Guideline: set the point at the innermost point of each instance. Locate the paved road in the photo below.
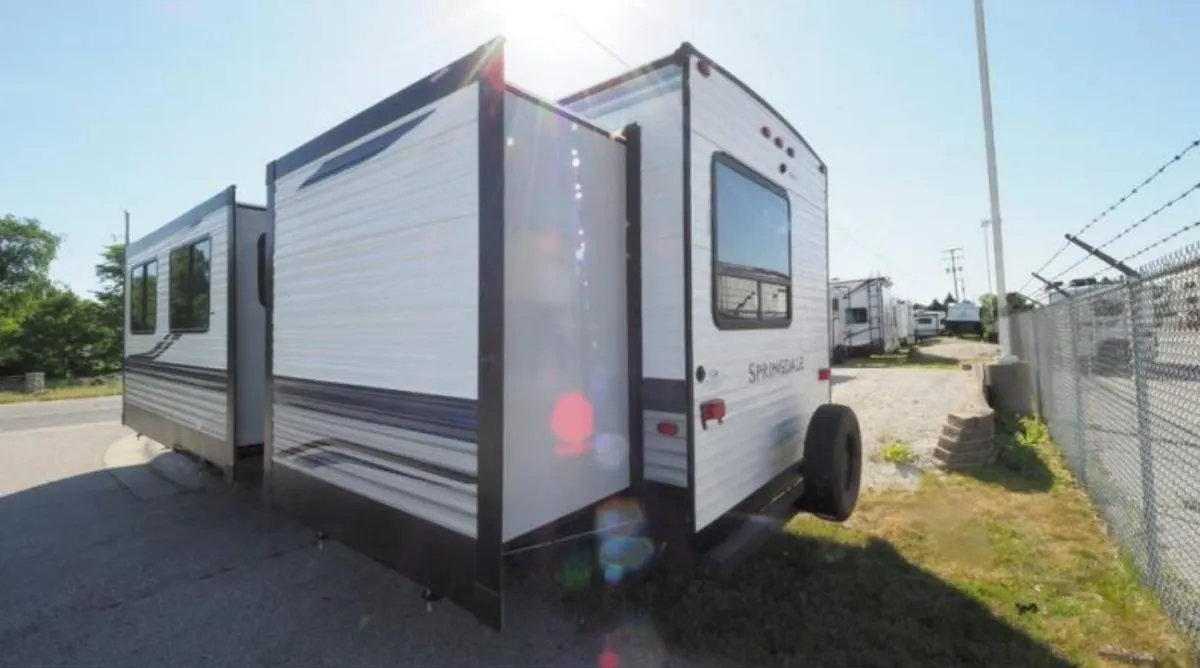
(93, 575)
(46, 414)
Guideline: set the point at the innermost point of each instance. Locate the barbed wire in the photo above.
(1194, 225)
(1112, 207)
(1170, 203)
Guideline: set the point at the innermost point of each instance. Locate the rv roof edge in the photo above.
(679, 57)
(458, 74)
(227, 197)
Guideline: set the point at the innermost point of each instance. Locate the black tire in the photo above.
(832, 466)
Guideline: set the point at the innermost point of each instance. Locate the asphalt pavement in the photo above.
(51, 414)
(93, 574)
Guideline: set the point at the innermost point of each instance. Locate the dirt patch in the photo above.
(956, 350)
(903, 406)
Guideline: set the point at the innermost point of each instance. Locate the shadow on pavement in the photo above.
(94, 575)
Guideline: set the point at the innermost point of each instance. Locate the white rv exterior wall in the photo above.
(767, 421)
(202, 409)
(655, 101)
(565, 316)
(376, 285)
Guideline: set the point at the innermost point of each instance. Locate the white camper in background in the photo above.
(904, 321)
(963, 318)
(837, 329)
(927, 324)
(194, 333)
(494, 316)
(869, 318)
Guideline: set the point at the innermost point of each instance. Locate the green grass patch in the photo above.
(965, 570)
(63, 390)
(898, 453)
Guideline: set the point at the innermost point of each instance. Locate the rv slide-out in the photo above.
(195, 374)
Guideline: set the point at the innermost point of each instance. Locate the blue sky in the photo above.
(154, 105)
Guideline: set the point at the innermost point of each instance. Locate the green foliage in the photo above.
(898, 453)
(47, 327)
(1017, 303)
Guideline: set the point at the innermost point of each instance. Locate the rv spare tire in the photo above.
(832, 466)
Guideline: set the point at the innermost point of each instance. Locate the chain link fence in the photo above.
(1116, 372)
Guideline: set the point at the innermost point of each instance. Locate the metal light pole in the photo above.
(985, 85)
(987, 260)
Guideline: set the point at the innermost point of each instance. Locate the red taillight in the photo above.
(824, 374)
(668, 428)
(766, 132)
(779, 142)
(703, 68)
(713, 409)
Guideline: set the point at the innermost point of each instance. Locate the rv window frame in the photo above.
(850, 320)
(145, 294)
(207, 238)
(722, 321)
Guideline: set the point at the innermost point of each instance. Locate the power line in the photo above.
(1112, 207)
(955, 254)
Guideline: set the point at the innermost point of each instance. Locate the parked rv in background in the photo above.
(963, 318)
(927, 324)
(837, 329)
(904, 321)
(868, 315)
(1104, 325)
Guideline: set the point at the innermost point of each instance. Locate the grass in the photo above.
(898, 453)
(1008, 566)
(55, 391)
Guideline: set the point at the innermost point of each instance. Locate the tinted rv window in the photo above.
(856, 316)
(752, 248)
(143, 298)
(191, 274)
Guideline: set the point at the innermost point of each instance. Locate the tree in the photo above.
(111, 302)
(949, 299)
(63, 336)
(26, 251)
(1017, 303)
(935, 305)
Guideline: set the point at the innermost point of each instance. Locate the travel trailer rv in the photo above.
(195, 321)
(868, 315)
(927, 324)
(963, 318)
(494, 316)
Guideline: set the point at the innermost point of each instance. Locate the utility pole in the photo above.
(954, 255)
(987, 254)
(985, 86)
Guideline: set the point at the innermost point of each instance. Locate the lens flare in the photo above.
(572, 423)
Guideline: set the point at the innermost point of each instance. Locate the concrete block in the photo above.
(972, 419)
(1011, 388)
(954, 433)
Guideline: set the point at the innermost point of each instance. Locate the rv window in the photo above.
(836, 308)
(143, 298)
(191, 273)
(924, 321)
(752, 248)
(857, 316)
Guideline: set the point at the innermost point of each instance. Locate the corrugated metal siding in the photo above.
(193, 407)
(376, 285)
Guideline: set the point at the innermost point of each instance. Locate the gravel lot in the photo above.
(909, 405)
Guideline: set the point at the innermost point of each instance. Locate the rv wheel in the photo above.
(832, 466)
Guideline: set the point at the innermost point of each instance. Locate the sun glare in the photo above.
(549, 25)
